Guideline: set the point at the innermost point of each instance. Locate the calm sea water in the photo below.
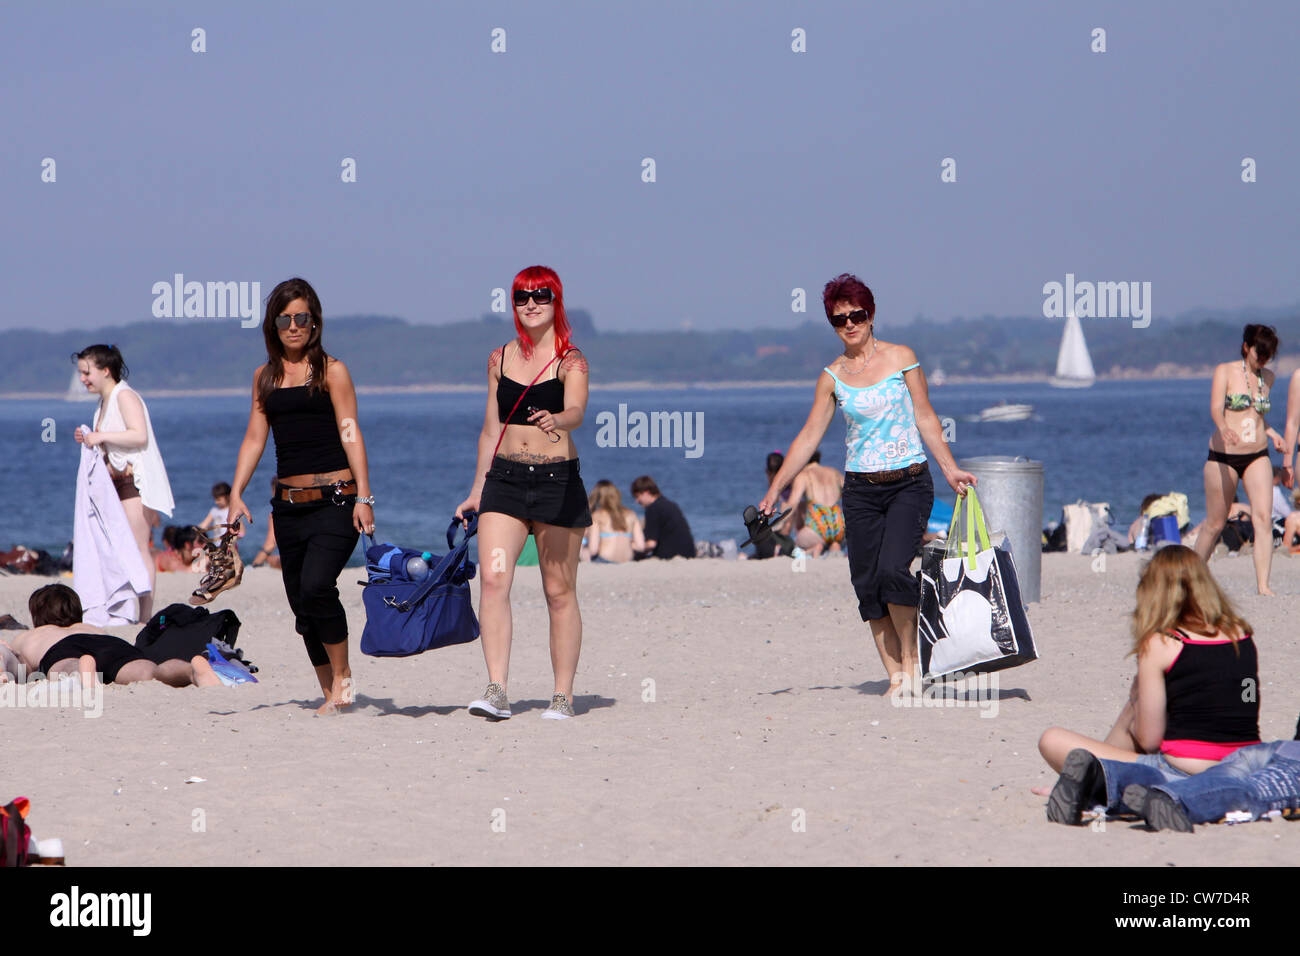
(1115, 442)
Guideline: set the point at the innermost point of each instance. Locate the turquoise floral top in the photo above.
(882, 434)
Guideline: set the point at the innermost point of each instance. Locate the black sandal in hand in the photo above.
(759, 525)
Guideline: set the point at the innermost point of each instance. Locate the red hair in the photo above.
(848, 288)
(539, 277)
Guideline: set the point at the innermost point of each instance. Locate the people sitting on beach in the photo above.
(59, 643)
(667, 534)
(1193, 701)
(1249, 784)
(181, 549)
(615, 534)
(818, 488)
(267, 554)
(1286, 517)
(781, 541)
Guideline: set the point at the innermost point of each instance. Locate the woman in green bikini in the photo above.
(1239, 447)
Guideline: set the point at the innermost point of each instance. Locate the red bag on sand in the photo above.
(14, 833)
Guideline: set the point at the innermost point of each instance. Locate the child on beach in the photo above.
(219, 513)
(1194, 699)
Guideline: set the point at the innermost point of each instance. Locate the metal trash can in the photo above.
(1011, 493)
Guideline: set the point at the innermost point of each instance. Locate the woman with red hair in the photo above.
(888, 491)
(527, 480)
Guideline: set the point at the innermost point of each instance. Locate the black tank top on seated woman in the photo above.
(306, 434)
(1212, 698)
(547, 395)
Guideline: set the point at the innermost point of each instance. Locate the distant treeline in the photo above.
(218, 353)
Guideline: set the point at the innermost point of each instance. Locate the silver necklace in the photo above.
(865, 362)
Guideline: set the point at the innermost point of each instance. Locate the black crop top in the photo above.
(1204, 692)
(306, 434)
(548, 395)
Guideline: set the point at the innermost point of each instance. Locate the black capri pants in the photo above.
(883, 526)
(315, 538)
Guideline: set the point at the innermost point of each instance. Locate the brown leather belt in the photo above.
(888, 477)
(334, 490)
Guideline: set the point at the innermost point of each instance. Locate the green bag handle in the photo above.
(974, 522)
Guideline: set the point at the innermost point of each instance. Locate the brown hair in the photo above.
(645, 483)
(55, 604)
(273, 371)
(1176, 588)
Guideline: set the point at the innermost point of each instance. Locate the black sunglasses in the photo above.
(857, 317)
(300, 319)
(541, 296)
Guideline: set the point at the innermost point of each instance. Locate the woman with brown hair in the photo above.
(322, 501)
(1239, 447)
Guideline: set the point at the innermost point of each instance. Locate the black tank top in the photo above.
(1212, 692)
(548, 395)
(306, 434)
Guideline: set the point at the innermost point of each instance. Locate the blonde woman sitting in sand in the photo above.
(1194, 700)
(615, 531)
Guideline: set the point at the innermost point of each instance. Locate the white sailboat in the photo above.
(77, 392)
(1073, 363)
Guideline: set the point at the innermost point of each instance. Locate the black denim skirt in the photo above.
(550, 493)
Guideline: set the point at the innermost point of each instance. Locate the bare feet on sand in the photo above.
(341, 696)
(204, 675)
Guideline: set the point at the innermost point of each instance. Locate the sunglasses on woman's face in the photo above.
(540, 296)
(300, 319)
(857, 317)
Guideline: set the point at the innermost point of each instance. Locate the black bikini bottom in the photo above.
(1238, 463)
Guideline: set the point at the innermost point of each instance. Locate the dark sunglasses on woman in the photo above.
(300, 319)
(857, 317)
(540, 296)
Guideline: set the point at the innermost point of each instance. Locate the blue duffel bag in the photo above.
(405, 617)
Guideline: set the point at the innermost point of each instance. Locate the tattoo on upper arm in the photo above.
(575, 361)
(494, 359)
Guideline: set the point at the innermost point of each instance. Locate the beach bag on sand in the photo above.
(14, 833)
(1083, 519)
(405, 617)
(971, 618)
(179, 632)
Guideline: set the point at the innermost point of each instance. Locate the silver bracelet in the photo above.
(368, 500)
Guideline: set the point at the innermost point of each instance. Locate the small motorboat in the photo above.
(1005, 412)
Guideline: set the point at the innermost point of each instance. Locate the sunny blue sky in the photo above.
(774, 169)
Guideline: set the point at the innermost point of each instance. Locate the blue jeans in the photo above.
(1148, 770)
(1256, 779)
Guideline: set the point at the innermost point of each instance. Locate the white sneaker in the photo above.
(493, 703)
(560, 708)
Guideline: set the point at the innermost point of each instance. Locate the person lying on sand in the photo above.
(59, 643)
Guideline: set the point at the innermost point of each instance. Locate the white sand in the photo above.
(764, 710)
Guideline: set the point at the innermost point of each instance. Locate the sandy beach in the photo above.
(721, 705)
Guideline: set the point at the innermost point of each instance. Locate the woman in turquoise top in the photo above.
(888, 491)
(1239, 447)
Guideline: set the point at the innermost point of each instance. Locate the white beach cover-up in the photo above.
(108, 571)
(146, 462)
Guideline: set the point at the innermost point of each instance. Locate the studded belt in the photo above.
(888, 477)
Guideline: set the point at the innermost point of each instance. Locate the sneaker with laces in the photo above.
(560, 709)
(493, 703)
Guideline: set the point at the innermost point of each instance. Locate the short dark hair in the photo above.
(55, 604)
(221, 490)
(774, 462)
(816, 456)
(848, 288)
(106, 357)
(1263, 338)
(645, 483)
